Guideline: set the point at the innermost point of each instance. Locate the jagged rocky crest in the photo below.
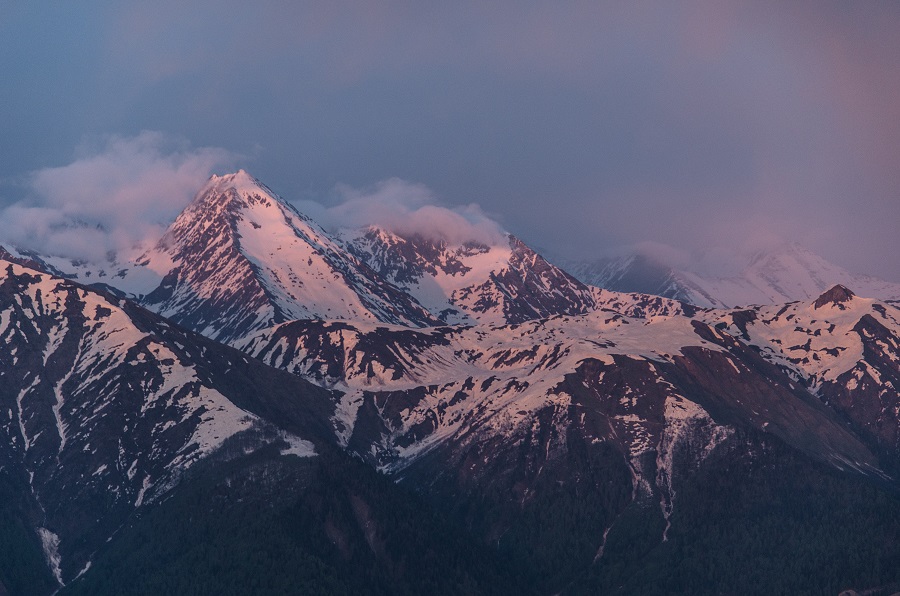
(836, 296)
(242, 259)
(472, 282)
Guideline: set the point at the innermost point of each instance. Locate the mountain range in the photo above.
(256, 405)
(783, 274)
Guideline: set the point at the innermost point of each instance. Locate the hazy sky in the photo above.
(580, 127)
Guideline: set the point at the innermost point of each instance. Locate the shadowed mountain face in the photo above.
(109, 405)
(400, 415)
(449, 385)
(844, 349)
(135, 452)
(637, 273)
(410, 394)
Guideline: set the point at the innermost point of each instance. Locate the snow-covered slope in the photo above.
(845, 348)
(603, 377)
(241, 259)
(790, 272)
(473, 282)
(106, 405)
(117, 273)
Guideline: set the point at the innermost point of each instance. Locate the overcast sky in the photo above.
(580, 127)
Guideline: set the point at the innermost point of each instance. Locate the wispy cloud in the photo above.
(116, 194)
(406, 208)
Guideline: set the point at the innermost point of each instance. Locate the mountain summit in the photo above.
(506, 282)
(836, 295)
(243, 259)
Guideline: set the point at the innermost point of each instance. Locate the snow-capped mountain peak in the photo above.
(242, 259)
(471, 282)
(240, 181)
(792, 270)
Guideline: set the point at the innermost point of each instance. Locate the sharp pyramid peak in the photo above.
(835, 295)
(235, 191)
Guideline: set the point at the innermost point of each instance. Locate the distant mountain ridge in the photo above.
(787, 273)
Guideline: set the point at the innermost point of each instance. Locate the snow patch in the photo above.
(684, 421)
(146, 484)
(50, 544)
(297, 446)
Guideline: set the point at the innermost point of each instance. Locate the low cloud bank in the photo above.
(112, 197)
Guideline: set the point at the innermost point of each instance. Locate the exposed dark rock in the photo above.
(836, 295)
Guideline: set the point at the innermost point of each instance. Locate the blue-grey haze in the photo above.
(580, 126)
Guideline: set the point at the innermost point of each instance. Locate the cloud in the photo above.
(117, 194)
(663, 253)
(406, 208)
(120, 193)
